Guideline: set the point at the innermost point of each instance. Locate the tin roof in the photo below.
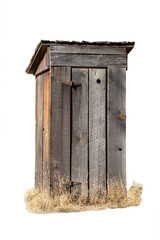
(43, 44)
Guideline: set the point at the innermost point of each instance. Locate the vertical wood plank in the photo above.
(79, 165)
(46, 132)
(97, 129)
(39, 134)
(60, 124)
(116, 144)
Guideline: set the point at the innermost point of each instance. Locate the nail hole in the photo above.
(120, 149)
(98, 81)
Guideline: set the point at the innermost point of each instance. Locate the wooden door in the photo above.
(80, 132)
(88, 142)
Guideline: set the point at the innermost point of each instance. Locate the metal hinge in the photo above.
(72, 183)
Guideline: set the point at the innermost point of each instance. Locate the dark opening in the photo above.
(88, 136)
(120, 149)
(98, 81)
(106, 143)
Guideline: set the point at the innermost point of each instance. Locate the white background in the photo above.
(23, 25)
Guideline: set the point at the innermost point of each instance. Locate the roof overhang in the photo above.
(43, 44)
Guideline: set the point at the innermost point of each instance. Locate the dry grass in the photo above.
(64, 201)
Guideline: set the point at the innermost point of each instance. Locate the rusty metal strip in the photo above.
(72, 183)
(72, 84)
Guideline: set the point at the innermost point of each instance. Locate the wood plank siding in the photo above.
(60, 124)
(88, 60)
(79, 164)
(116, 124)
(39, 133)
(88, 49)
(97, 129)
(46, 131)
(80, 129)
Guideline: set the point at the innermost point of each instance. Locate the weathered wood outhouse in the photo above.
(80, 111)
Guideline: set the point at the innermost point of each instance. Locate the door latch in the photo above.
(72, 84)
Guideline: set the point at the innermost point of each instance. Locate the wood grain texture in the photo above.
(87, 49)
(79, 163)
(60, 124)
(44, 63)
(86, 60)
(46, 132)
(97, 129)
(109, 46)
(42, 71)
(39, 133)
(116, 132)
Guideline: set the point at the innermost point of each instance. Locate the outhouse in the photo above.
(80, 112)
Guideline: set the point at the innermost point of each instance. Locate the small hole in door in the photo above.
(98, 81)
(120, 149)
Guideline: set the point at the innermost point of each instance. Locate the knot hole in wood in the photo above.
(98, 81)
(122, 116)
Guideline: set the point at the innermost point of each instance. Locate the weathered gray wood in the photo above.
(39, 133)
(60, 124)
(97, 129)
(116, 132)
(86, 60)
(87, 49)
(45, 62)
(79, 165)
(46, 132)
(41, 49)
(43, 70)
